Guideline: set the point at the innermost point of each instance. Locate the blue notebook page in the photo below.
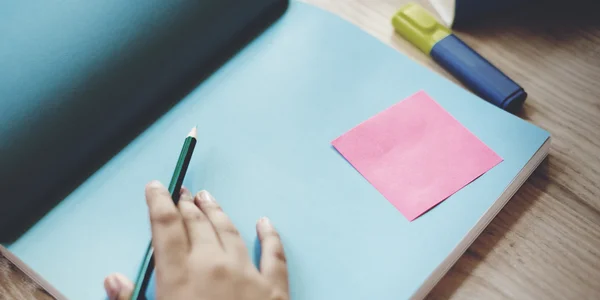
(265, 123)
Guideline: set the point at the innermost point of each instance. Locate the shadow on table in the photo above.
(525, 197)
(550, 17)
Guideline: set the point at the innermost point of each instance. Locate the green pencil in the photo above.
(143, 278)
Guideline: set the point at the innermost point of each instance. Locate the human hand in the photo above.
(199, 253)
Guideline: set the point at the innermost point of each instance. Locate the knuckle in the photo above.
(279, 254)
(229, 229)
(220, 270)
(194, 216)
(212, 206)
(190, 213)
(165, 217)
(223, 224)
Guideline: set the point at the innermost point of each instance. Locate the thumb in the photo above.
(273, 263)
(118, 287)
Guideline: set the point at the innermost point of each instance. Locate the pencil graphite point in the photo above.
(194, 133)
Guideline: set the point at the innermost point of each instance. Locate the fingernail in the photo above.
(155, 183)
(265, 222)
(205, 196)
(113, 288)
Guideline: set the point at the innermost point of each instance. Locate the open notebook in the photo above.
(266, 119)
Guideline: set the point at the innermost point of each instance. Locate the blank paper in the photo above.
(416, 154)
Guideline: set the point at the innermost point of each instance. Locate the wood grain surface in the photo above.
(545, 244)
(16, 282)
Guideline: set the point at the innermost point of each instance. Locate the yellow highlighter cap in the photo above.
(416, 25)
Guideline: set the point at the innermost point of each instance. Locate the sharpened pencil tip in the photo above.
(194, 133)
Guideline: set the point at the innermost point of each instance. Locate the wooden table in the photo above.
(545, 244)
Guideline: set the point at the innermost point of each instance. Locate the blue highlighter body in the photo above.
(478, 74)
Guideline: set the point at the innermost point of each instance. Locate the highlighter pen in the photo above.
(416, 25)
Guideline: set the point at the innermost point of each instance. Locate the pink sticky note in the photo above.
(416, 154)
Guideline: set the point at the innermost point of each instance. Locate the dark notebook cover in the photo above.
(80, 79)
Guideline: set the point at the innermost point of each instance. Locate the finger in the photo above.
(118, 287)
(273, 263)
(228, 235)
(201, 234)
(169, 237)
(185, 195)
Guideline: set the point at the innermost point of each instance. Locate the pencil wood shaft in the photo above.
(147, 267)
